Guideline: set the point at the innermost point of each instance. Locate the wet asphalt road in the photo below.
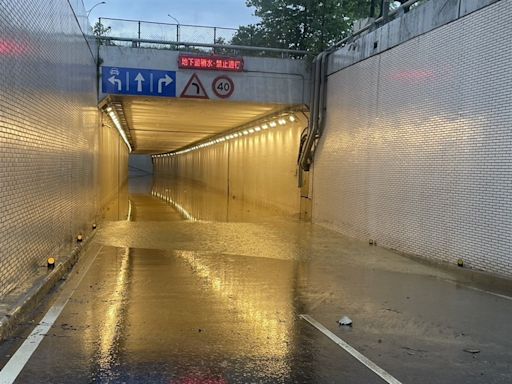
(169, 300)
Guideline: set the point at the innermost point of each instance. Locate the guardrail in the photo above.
(148, 30)
(197, 38)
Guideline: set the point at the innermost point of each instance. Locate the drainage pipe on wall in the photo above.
(318, 94)
(317, 109)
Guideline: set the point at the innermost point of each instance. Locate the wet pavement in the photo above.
(177, 296)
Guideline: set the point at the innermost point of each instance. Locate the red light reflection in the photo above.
(11, 48)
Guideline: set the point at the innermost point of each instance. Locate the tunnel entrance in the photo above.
(162, 125)
(234, 128)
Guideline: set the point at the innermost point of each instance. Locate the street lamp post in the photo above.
(177, 27)
(94, 6)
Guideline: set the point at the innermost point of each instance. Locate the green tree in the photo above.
(301, 24)
(99, 29)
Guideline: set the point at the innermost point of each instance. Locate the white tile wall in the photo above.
(49, 135)
(417, 151)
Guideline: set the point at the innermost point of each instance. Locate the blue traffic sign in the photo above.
(135, 81)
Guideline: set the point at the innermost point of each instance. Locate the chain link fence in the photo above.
(197, 38)
(172, 33)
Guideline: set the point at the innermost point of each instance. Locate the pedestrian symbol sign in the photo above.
(137, 81)
(194, 89)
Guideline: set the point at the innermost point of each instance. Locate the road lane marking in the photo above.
(15, 365)
(491, 293)
(463, 285)
(357, 355)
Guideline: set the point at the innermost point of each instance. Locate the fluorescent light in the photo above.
(280, 120)
(119, 128)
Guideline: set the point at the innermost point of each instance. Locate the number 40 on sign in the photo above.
(223, 87)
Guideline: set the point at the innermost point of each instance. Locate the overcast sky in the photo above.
(221, 13)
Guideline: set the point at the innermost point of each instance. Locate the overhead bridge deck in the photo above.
(171, 99)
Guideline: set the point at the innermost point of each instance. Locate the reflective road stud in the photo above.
(51, 263)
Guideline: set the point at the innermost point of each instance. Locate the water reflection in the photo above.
(117, 206)
(247, 294)
(244, 305)
(114, 320)
(195, 201)
(183, 212)
(200, 313)
(112, 328)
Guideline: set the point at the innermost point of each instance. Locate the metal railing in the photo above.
(148, 30)
(200, 38)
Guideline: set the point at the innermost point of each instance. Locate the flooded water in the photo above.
(188, 286)
(194, 201)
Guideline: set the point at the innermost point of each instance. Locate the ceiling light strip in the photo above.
(115, 119)
(269, 124)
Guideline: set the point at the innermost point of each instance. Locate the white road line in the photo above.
(462, 285)
(14, 366)
(358, 356)
(491, 293)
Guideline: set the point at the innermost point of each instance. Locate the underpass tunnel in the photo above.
(158, 225)
(169, 103)
(235, 131)
(244, 154)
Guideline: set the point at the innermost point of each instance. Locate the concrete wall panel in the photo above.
(421, 19)
(264, 80)
(260, 169)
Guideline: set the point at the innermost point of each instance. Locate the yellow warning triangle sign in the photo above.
(194, 89)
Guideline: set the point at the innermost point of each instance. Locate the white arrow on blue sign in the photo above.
(137, 81)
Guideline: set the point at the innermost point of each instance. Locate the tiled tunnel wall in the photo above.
(417, 151)
(51, 142)
(260, 169)
(111, 173)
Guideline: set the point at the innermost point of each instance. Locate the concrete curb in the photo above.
(466, 276)
(30, 300)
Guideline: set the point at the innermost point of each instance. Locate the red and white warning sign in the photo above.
(194, 89)
(223, 87)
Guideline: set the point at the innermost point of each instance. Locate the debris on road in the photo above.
(345, 321)
(412, 350)
(471, 350)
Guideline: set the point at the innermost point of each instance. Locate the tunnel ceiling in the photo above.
(162, 125)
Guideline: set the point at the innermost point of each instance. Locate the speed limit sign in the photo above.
(223, 87)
